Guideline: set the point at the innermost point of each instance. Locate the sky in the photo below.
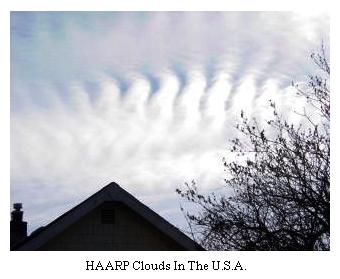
(146, 99)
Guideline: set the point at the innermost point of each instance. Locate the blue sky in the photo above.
(146, 99)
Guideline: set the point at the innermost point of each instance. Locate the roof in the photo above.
(111, 192)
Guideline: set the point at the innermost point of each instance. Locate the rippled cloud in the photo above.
(148, 100)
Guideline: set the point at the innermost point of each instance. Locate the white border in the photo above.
(70, 264)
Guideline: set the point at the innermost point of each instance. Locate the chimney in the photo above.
(18, 226)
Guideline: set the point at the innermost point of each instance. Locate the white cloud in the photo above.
(150, 133)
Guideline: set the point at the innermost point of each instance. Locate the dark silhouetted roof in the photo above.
(110, 193)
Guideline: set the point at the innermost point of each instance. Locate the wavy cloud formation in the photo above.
(144, 99)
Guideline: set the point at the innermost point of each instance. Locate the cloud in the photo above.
(144, 99)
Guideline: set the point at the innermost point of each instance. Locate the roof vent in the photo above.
(108, 216)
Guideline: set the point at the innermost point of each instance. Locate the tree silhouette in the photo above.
(276, 195)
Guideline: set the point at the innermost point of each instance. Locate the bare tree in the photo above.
(277, 194)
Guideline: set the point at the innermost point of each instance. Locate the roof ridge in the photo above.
(112, 184)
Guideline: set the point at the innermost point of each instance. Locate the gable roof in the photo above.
(111, 192)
